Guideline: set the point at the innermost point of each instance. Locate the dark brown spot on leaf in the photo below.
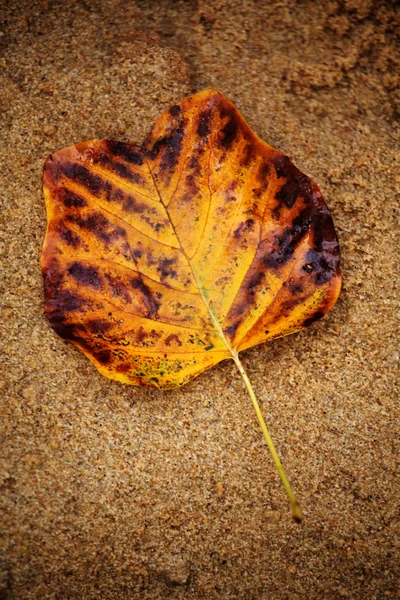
(231, 329)
(175, 110)
(68, 331)
(53, 276)
(80, 174)
(69, 237)
(283, 249)
(194, 163)
(151, 303)
(53, 169)
(289, 193)
(63, 301)
(247, 155)
(97, 224)
(127, 152)
(70, 199)
(114, 195)
(134, 206)
(173, 340)
(165, 268)
(98, 326)
(286, 243)
(318, 315)
(276, 212)
(244, 228)
(103, 356)
(297, 184)
(116, 167)
(263, 173)
(255, 283)
(203, 128)
(118, 288)
(144, 336)
(124, 368)
(306, 187)
(169, 147)
(323, 260)
(138, 251)
(85, 275)
(229, 130)
(282, 165)
(191, 186)
(295, 288)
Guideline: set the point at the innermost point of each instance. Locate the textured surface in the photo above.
(161, 260)
(111, 491)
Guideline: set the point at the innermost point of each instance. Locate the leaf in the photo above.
(161, 260)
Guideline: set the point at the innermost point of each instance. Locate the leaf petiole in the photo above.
(296, 510)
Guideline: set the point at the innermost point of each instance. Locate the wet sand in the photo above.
(115, 492)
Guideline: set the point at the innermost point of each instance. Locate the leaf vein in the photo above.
(94, 201)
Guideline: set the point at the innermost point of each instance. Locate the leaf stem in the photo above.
(296, 510)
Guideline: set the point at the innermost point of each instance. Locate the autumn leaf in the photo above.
(163, 259)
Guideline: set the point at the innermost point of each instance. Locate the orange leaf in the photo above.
(163, 259)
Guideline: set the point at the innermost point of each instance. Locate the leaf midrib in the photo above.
(214, 318)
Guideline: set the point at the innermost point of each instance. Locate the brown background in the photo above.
(112, 492)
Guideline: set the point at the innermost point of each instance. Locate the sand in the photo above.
(114, 492)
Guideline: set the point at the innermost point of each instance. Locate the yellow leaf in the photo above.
(161, 260)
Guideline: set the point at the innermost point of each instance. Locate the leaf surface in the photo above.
(163, 259)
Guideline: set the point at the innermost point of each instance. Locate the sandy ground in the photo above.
(113, 492)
